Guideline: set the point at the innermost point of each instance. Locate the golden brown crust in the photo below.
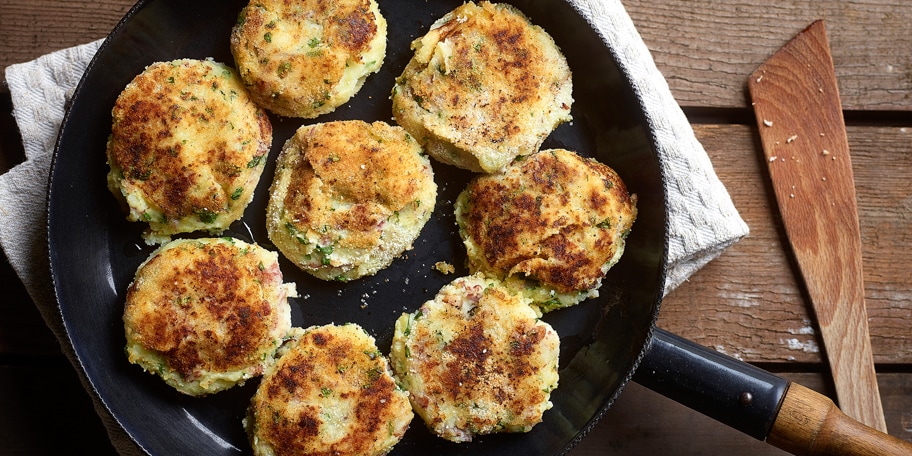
(348, 196)
(306, 58)
(204, 309)
(484, 86)
(476, 360)
(187, 147)
(553, 217)
(355, 164)
(331, 393)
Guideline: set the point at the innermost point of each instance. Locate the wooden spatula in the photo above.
(796, 102)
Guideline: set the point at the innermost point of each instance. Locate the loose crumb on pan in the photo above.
(444, 267)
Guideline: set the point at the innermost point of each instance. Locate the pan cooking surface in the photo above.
(94, 251)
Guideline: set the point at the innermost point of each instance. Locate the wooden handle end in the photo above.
(809, 423)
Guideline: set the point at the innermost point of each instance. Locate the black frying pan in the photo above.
(94, 251)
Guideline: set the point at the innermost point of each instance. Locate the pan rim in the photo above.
(79, 359)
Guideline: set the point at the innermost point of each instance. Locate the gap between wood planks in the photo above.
(702, 115)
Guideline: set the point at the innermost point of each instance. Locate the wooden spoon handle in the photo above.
(809, 423)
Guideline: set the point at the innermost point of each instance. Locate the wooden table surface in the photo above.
(748, 303)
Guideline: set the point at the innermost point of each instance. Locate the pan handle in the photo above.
(756, 402)
(735, 393)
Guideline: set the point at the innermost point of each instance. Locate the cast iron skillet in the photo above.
(94, 252)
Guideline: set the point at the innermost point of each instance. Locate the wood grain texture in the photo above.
(796, 103)
(642, 422)
(749, 302)
(810, 424)
(705, 48)
(29, 29)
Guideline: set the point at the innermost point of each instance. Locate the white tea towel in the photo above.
(703, 220)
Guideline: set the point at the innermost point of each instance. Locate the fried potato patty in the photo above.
(207, 314)
(331, 392)
(550, 226)
(348, 197)
(187, 148)
(306, 58)
(484, 86)
(476, 360)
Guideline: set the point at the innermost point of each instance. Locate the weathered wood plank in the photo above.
(643, 422)
(749, 302)
(707, 48)
(36, 27)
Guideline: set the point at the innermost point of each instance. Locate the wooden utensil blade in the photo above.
(802, 129)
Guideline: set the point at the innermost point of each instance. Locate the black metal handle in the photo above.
(733, 392)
